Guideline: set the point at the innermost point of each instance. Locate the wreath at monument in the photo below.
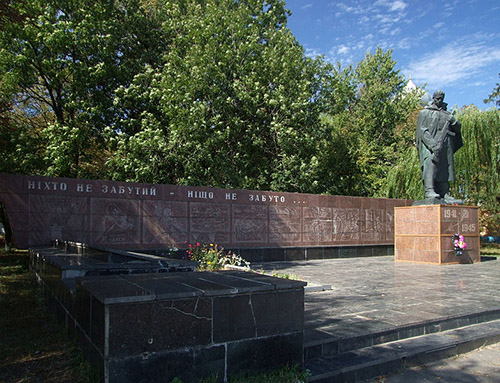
(459, 243)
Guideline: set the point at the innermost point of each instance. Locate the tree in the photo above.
(375, 105)
(494, 96)
(404, 178)
(335, 170)
(212, 93)
(60, 65)
(478, 164)
(235, 103)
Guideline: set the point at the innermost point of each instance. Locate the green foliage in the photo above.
(277, 274)
(478, 164)
(284, 375)
(490, 250)
(367, 132)
(60, 63)
(494, 95)
(230, 107)
(35, 347)
(380, 107)
(404, 177)
(213, 257)
(213, 93)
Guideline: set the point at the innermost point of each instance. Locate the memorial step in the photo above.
(318, 343)
(360, 364)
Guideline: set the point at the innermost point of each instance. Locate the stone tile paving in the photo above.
(376, 293)
(481, 366)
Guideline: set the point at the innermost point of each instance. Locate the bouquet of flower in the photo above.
(213, 257)
(459, 243)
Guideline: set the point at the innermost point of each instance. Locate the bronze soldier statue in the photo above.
(438, 138)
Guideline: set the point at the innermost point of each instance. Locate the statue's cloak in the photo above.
(431, 123)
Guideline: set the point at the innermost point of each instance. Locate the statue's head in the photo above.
(438, 98)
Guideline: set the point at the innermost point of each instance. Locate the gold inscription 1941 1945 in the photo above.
(461, 214)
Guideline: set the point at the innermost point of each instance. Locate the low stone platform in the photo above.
(144, 328)
(67, 265)
(156, 326)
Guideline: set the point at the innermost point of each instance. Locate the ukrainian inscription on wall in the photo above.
(134, 216)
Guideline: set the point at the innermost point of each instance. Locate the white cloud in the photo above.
(359, 46)
(344, 7)
(392, 5)
(405, 43)
(357, 10)
(395, 31)
(364, 20)
(398, 6)
(449, 8)
(342, 49)
(479, 83)
(312, 52)
(453, 63)
(438, 25)
(305, 6)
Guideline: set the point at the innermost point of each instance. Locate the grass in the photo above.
(284, 375)
(277, 274)
(490, 249)
(33, 347)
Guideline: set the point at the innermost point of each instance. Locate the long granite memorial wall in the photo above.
(152, 216)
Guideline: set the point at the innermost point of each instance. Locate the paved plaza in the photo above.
(356, 296)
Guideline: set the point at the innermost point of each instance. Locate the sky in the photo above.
(449, 45)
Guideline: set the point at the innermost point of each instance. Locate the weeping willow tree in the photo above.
(404, 180)
(403, 177)
(477, 165)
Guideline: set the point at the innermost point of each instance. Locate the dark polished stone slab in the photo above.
(114, 289)
(160, 325)
(250, 357)
(190, 365)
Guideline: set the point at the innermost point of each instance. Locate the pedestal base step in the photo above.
(369, 362)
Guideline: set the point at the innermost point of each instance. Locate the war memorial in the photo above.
(110, 257)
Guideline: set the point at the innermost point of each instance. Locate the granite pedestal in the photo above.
(147, 322)
(425, 234)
